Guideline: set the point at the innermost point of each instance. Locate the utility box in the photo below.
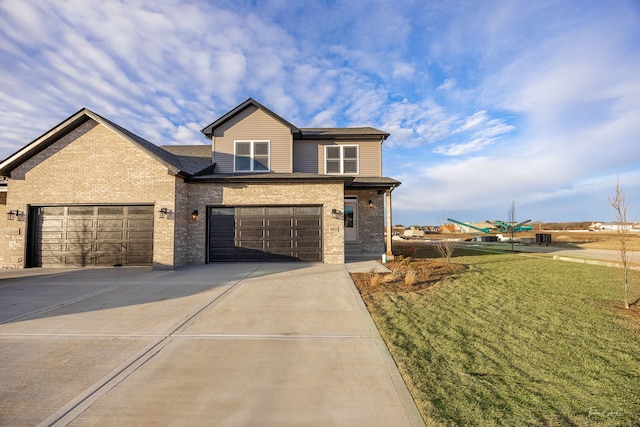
(485, 239)
(543, 239)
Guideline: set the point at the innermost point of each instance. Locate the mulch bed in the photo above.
(428, 272)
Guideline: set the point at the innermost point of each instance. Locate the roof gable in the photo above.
(208, 130)
(302, 133)
(74, 121)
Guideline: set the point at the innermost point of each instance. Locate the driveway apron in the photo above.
(222, 344)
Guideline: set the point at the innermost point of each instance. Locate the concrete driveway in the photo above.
(222, 344)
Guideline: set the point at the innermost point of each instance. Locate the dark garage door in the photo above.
(90, 236)
(265, 233)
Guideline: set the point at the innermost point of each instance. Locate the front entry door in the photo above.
(350, 220)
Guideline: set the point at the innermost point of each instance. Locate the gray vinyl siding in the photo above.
(253, 124)
(310, 155)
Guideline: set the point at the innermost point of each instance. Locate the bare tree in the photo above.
(620, 205)
(511, 215)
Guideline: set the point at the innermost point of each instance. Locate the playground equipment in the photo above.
(499, 226)
(505, 227)
(464, 224)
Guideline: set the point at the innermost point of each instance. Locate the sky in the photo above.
(489, 103)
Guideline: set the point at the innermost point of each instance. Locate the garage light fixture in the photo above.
(370, 204)
(164, 212)
(194, 214)
(19, 215)
(335, 213)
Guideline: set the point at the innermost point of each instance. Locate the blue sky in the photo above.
(487, 102)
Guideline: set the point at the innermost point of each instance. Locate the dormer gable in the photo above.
(209, 130)
(252, 139)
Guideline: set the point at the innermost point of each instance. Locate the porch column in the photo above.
(389, 224)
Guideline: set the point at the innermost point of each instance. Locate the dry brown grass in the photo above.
(423, 274)
(411, 277)
(573, 239)
(374, 278)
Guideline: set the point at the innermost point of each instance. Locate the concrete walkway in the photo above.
(222, 344)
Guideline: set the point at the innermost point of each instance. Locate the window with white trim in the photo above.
(251, 156)
(341, 159)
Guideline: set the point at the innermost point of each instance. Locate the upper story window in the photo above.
(341, 159)
(251, 156)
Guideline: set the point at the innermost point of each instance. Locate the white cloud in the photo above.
(530, 101)
(417, 123)
(324, 118)
(479, 132)
(24, 22)
(473, 121)
(402, 70)
(447, 85)
(188, 134)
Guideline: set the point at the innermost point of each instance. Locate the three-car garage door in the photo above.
(90, 236)
(265, 233)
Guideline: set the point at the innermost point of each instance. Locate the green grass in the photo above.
(517, 341)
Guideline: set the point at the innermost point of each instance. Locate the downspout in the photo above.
(389, 225)
(213, 148)
(380, 156)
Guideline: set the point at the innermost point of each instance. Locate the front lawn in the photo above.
(514, 340)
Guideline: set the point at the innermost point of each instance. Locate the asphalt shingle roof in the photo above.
(193, 158)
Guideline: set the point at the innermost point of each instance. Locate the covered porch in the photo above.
(367, 211)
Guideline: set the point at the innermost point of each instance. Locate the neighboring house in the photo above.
(89, 192)
(613, 226)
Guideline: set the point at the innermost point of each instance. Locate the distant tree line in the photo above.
(579, 225)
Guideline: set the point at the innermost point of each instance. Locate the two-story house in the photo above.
(89, 192)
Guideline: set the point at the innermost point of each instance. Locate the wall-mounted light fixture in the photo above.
(194, 214)
(335, 213)
(19, 215)
(370, 204)
(163, 212)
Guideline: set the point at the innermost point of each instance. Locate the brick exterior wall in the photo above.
(91, 165)
(370, 219)
(182, 222)
(329, 195)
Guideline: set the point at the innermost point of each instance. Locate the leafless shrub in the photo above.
(403, 267)
(426, 272)
(446, 248)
